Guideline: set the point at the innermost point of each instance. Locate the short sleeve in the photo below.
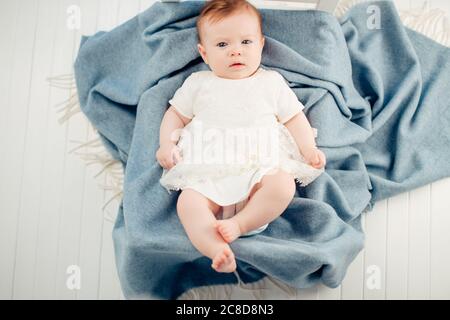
(288, 104)
(183, 99)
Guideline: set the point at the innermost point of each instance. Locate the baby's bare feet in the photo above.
(224, 261)
(229, 229)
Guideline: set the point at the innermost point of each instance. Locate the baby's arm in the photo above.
(171, 122)
(168, 136)
(303, 135)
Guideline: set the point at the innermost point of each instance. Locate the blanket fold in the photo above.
(379, 98)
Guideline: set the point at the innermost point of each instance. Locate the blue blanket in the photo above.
(379, 96)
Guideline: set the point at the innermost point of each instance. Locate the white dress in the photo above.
(236, 136)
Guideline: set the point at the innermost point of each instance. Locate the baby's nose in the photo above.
(236, 52)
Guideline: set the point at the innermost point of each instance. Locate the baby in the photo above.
(236, 94)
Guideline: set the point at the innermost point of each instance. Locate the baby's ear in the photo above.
(202, 52)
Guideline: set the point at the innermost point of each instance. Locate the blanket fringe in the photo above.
(431, 22)
(70, 106)
(92, 152)
(343, 6)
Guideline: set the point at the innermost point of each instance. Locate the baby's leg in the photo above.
(274, 194)
(197, 215)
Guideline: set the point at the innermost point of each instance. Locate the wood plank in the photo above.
(8, 218)
(16, 132)
(145, 4)
(91, 214)
(127, 10)
(440, 240)
(353, 284)
(53, 166)
(419, 243)
(34, 153)
(109, 287)
(108, 14)
(375, 253)
(73, 176)
(397, 248)
(440, 217)
(91, 233)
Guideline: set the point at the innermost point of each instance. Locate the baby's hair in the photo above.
(216, 10)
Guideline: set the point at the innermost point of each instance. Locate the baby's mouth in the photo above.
(237, 64)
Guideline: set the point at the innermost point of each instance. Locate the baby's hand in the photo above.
(315, 158)
(168, 155)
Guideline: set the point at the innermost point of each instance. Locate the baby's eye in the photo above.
(221, 44)
(248, 41)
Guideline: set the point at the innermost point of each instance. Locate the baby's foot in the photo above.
(224, 261)
(229, 229)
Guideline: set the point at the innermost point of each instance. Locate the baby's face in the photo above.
(234, 39)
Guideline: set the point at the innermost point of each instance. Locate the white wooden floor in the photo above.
(50, 204)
